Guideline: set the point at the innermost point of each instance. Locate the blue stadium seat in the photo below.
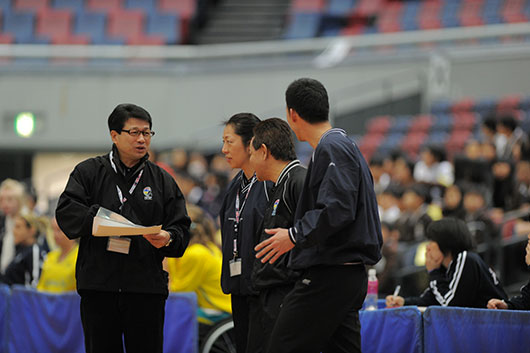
(167, 25)
(76, 6)
(149, 6)
(442, 123)
(21, 25)
(401, 124)
(91, 24)
(303, 25)
(5, 5)
(440, 107)
(340, 8)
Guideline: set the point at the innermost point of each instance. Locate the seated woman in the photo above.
(29, 255)
(457, 277)
(519, 302)
(199, 270)
(58, 270)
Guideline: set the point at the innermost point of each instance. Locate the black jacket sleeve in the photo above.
(522, 301)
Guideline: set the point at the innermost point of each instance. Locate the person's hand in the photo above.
(274, 247)
(158, 240)
(433, 260)
(527, 258)
(497, 304)
(394, 301)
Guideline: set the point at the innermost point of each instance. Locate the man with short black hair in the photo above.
(121, 281)
(273, 157)
(335, 234)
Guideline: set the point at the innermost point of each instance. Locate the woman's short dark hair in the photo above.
(451, 235)
(309, 98)
(123, 112)
(243, 124)
(277, 136)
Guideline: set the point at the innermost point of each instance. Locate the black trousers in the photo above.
(264, 310)
(240, 315)
(321, 313)
(111, 320)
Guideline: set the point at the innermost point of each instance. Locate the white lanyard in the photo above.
(239, 211)
(120, 194)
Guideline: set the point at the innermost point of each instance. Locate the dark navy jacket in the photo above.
(284, 196)
(337, 220)
(252, 214)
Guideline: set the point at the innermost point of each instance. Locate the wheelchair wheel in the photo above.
(220, 339)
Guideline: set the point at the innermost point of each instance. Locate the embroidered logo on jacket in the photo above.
(148, 194)
(275, 207)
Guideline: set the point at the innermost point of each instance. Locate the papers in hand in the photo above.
(109, 223)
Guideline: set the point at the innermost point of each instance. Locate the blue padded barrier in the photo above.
(180, 324)
(476, 330)
(4, 304)
(391, 330)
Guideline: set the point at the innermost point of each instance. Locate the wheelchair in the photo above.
(216, 332)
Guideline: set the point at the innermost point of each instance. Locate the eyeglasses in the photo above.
(135, 133)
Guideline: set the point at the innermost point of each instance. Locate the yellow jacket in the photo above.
(199, 271)
(58, 276)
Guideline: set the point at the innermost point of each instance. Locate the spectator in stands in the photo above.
(488, 151)
(12, 196)
(414, 219)
(389, 202)
(199, 270)
(508, 127)
(391, 260)
(179, 160)
(240, 216)
(274, 158)
(26, 266)
(489, 129)
(58, 269)
(458, 277)
(504, 193)
(433, 168)
(522, 178)
(402, 173)
(121, 280)
(452, 205)
(381, 179)
(519, 302)
(213, 194)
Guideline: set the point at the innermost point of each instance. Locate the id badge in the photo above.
(235, 267)
(119, 244)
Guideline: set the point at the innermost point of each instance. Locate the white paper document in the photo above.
(109, 223)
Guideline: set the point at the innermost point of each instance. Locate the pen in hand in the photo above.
(396, 291)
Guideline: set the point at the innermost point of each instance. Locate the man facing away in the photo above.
(122, 284)
(273, 157)
(335, 234)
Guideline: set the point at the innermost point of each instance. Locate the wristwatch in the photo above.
(170, 240)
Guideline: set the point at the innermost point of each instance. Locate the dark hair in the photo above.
(309, 99)
(123, 112)
(451, 235)
(243, 124)
(276, 135)
(490, 122)
(421, 190)
(508, 121)
(437, 151)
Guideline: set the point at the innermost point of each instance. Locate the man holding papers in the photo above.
(120, 278)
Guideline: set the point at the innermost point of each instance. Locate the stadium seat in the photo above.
(401, 124)
(148, 6)
(303, 25)
(367, 8)
(508, 103)
(440, 107)
(104, 5)
(464, 121)
(75, 5)
(442, 123)
(307, 5)
(166, 25)
(53, 23)
(70, 39)
(146, 40)
(412, 142)
(20, 25)
(421, 123)
(5, 5)
(30, 5)
(92, 25)
(437, 137)
(339, 8)
(485, 106)
(125, 24)
(378, 125)
(462, 105)
(6, 38)
(185, 8)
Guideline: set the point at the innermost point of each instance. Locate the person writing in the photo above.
(336, 232)
(240, 216)
(457, 276)
(518, 302)
(122, 284)
(273, 157)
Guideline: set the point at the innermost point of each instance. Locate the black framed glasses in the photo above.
(135, 133)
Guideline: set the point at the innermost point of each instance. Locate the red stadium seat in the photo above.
(421, 123)
(52, 23)
(412, 142)
(185, 9)
(126, 24)
(70, 39)
(146, 40)
(464, 121)
(378, 125)
(307, 5)
(6, 38)
(104, 5)
(508, 103)
(31, 5)
(368, 8)
(470, 14)
(463, 105)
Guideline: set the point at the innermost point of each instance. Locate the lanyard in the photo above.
(239, 211)
(120, 194)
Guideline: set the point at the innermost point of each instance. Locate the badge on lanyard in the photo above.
(119, 244)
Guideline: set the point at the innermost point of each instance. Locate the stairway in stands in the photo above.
(234, 21)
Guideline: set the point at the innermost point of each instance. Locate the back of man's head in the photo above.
(123, 112)
(277, 136)
(451, 235)
(309, 98)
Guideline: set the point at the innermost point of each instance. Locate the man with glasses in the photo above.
(121, 281)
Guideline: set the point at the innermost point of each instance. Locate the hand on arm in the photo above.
(158, 240)
(394, 301)
(274, 247)
(497, 304)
